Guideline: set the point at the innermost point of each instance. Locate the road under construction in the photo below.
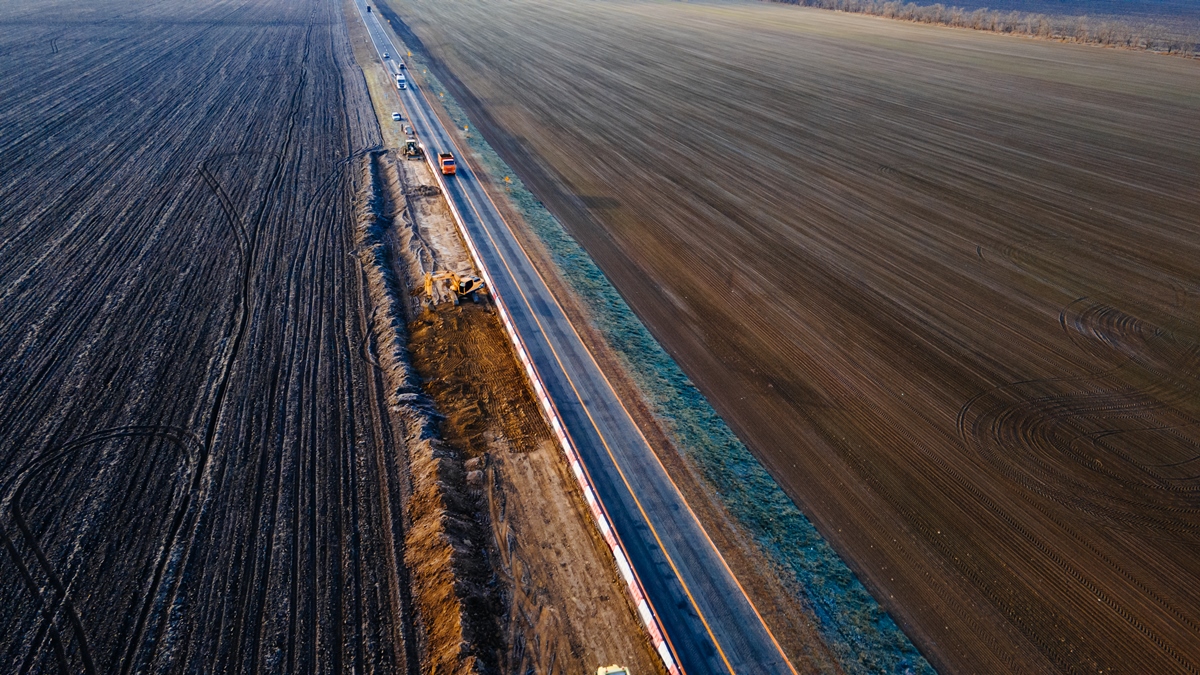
(706, 621)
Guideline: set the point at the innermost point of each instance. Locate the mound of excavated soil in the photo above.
(565, 608)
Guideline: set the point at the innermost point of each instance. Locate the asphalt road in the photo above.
(709, 621)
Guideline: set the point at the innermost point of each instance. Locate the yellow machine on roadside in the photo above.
(413, 149)
(459, 285)
(612, 670)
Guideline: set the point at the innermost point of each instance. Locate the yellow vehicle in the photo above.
(413, 149)
(459, 285)
(613, 670)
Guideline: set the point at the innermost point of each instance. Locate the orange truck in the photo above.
(446, 162)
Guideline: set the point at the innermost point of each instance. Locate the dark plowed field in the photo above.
(943, 283)
(196, 474)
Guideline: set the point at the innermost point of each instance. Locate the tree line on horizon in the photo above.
(1107, 32)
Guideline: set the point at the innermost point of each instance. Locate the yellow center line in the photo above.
(616, 396)
(607, 449)
(424, 115)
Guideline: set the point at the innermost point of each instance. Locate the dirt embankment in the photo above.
(444, 541)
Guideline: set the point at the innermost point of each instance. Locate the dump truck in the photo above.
(401, 81)
(446, 163)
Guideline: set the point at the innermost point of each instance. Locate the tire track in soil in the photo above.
(1055, 422)
(1043, 434)
(62, 598)
(14, 497)
(272, 187)
(73, 366)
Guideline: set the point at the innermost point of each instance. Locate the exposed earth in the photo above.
(198, 469)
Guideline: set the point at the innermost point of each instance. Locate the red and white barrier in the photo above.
(581, 477)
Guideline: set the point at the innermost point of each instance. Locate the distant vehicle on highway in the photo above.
(385, 55)
(395, 117)
(401, 81)
(446, 162)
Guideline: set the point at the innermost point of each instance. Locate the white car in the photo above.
(385, 55)
(395, 117)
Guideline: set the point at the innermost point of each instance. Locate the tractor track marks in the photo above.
(14, 493)
(197, 467)
(1062, 438)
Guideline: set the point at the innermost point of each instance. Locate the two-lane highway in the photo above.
(709, 621)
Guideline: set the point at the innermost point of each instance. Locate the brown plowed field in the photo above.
(943, 283)
(196, 474)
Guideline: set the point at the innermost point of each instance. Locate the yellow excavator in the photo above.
(460, 285)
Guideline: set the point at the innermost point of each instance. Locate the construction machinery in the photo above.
(446, 163)
(412, 149)
(612, 670)
(457, 285)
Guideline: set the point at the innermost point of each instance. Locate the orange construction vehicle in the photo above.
(446, 162)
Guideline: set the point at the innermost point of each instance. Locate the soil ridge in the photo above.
(450, 576)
